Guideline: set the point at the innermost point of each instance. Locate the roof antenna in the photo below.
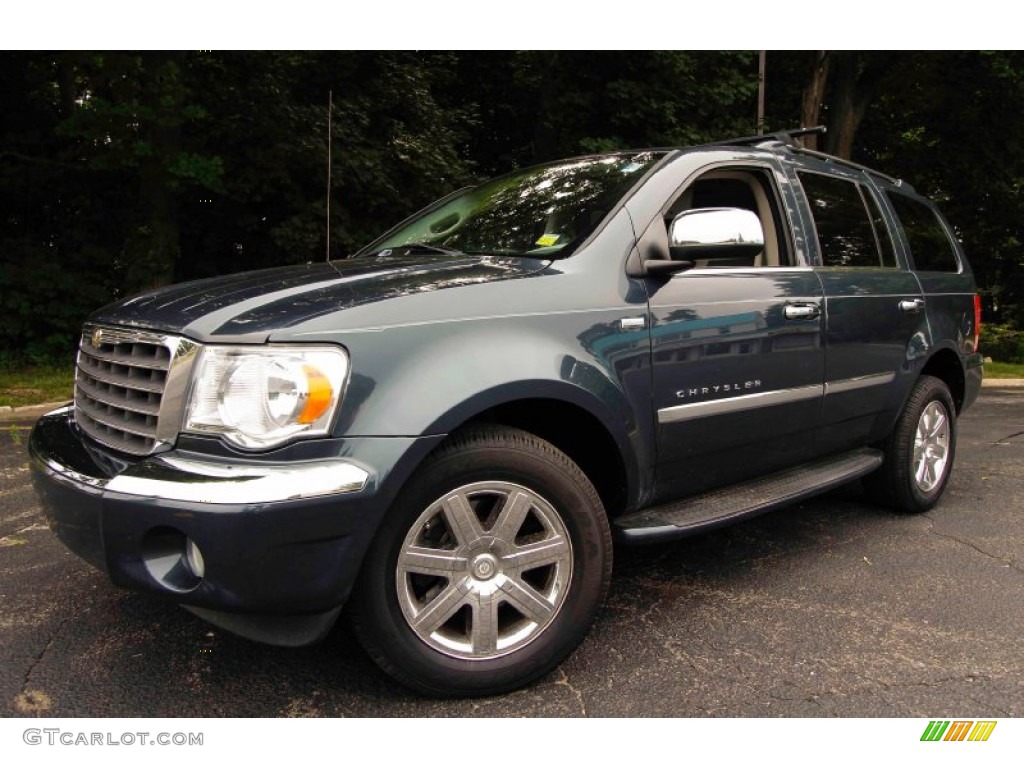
(330, 110)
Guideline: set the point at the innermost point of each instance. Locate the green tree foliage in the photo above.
(946, 122)
(123, 171)
(1002, 343)
(949, 123)
(541, 105)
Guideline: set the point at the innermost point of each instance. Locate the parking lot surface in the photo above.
(831, 607)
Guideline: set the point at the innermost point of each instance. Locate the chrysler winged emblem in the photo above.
(97, 337)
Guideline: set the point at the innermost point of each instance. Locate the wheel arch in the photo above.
(576, 432)
(945, 364)
(574, 422)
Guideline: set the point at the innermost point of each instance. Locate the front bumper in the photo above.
(277, 540)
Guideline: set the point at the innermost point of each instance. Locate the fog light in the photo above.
(194, 559)
(172, 559)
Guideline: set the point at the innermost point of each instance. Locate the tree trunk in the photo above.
(848, 106)
(857, 76)
(164, 230)
(157, 185)
(814, 95)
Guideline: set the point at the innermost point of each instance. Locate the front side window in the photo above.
(848, 233)
(546, 211)
(748, 189)
(930, 246)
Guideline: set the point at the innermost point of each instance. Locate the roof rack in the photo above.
(786, 137)
(849, 164)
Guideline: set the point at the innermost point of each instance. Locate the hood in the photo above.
(251, 305)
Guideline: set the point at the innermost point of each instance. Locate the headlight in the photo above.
(258, 397)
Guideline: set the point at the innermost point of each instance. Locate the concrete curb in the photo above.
(27, 412)
(1003, 383)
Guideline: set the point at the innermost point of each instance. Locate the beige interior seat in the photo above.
(753, 198)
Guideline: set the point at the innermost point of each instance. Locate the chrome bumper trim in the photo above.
(174, 478)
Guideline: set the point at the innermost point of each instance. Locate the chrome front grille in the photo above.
(121, 383)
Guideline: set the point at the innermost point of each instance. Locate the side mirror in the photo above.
(716, 233)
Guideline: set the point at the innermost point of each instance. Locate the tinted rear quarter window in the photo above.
(930, 247)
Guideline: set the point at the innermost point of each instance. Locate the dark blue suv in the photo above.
(447, 430)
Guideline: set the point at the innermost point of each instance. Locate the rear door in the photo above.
(875, 323)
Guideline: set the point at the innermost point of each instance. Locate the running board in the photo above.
(727, 505)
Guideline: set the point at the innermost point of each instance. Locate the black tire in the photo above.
(521, 585)
(911, 480)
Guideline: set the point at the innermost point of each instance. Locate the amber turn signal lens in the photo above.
(319, 395)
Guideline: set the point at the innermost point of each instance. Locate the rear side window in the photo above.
(849, 234)
(930, 246)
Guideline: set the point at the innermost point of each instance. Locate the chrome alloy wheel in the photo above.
(484, 570)
(931, 446)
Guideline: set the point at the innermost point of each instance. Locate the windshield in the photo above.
(544, 211)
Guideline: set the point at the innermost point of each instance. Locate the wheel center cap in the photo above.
(484, 567)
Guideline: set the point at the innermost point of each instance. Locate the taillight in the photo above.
(977, 319)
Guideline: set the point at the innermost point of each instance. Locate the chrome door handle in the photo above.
(912, 306)
(801, 311)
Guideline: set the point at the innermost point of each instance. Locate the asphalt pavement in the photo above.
(831, 607)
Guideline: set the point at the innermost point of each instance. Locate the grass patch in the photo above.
(31, 385)
(16, 434)
(1004, 371)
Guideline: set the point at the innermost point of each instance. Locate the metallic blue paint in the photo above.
(437, 340)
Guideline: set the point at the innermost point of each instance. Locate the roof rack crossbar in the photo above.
(786, 137)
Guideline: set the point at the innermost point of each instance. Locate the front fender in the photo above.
(429, 380)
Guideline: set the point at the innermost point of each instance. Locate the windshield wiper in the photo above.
(412, 247)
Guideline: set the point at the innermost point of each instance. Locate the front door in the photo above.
(738, 354)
